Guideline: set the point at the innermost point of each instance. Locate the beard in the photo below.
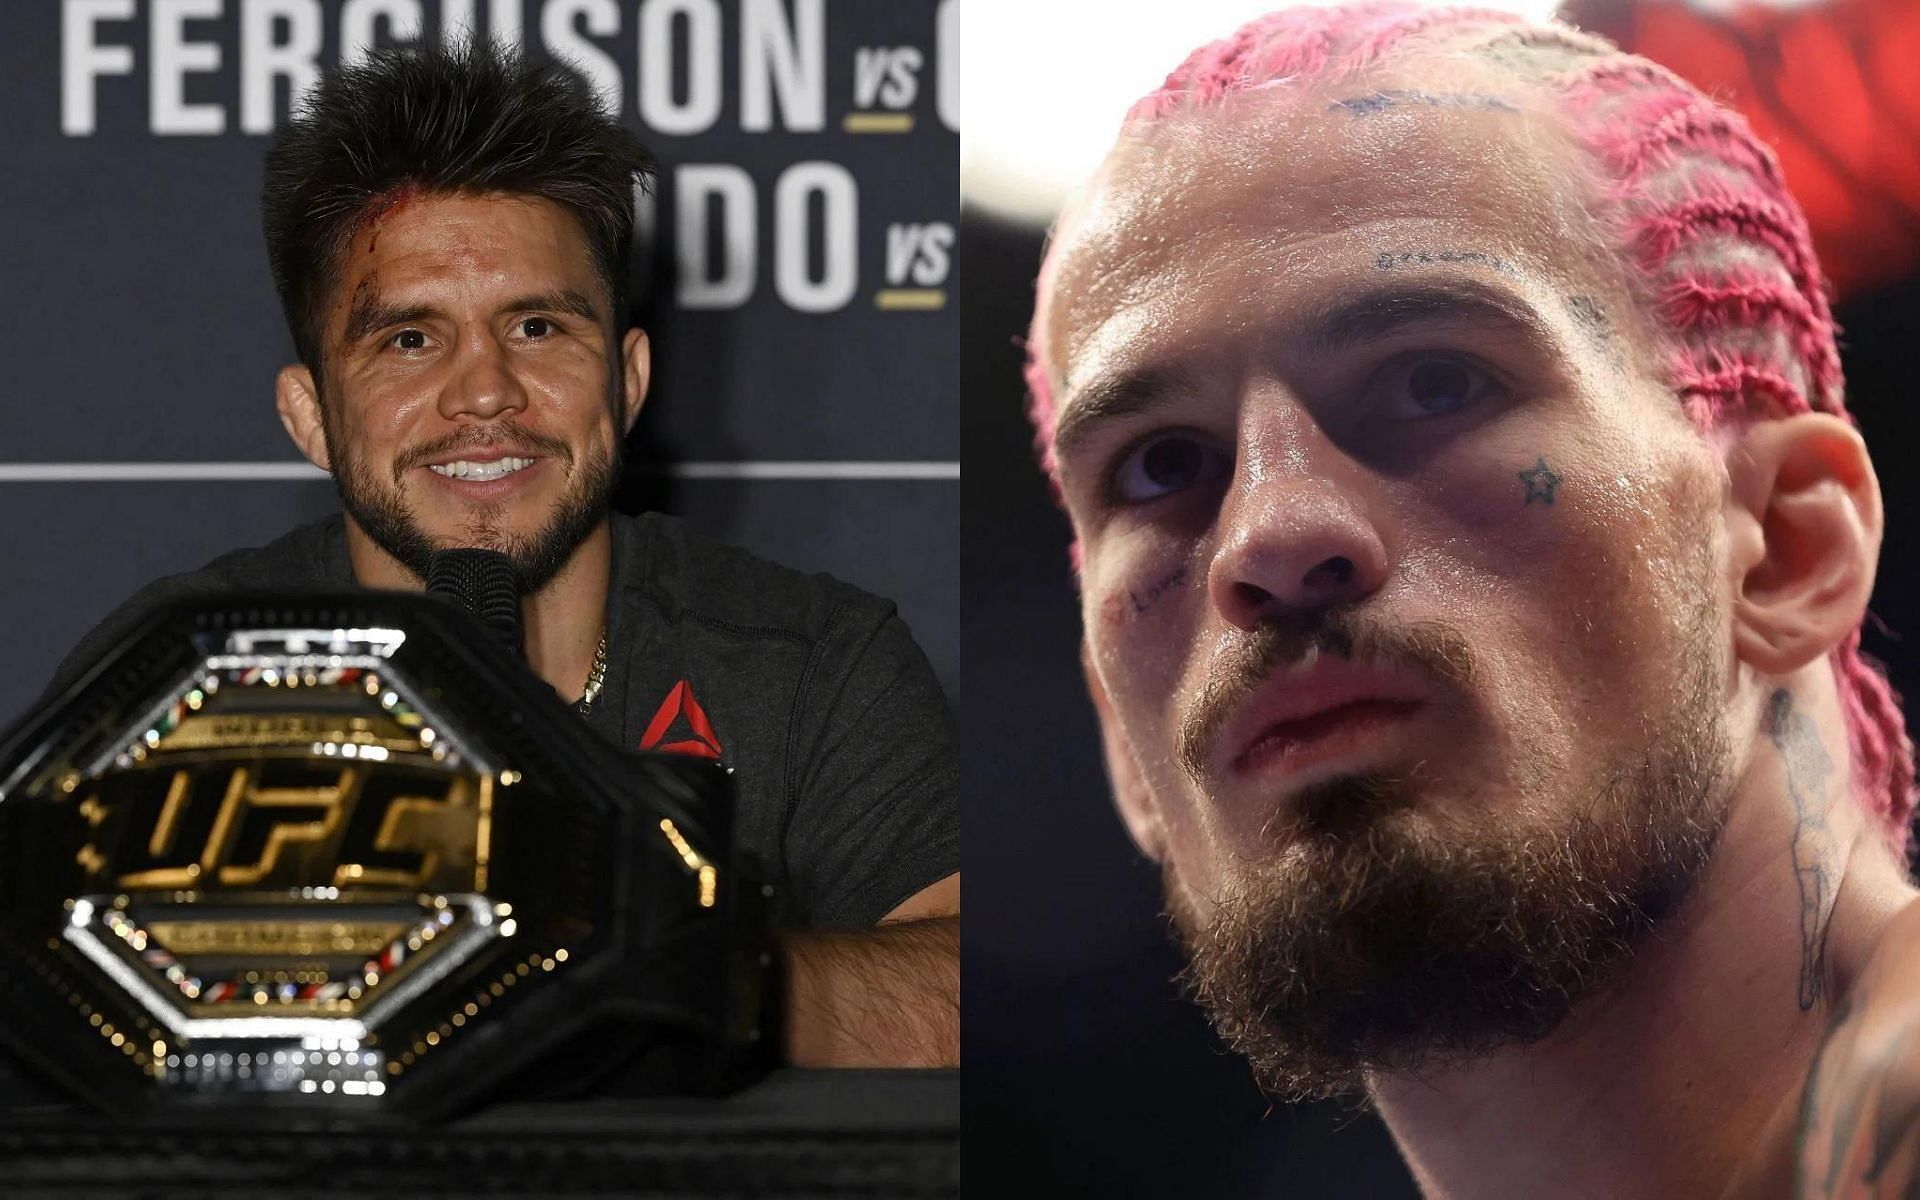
(1383, 937)
(382, 511)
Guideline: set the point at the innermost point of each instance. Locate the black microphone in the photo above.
(485, 584)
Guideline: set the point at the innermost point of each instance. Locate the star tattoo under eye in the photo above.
(1540, 483)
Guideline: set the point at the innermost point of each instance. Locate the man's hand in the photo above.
(882, 997)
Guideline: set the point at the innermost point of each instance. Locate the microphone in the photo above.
(485, 584)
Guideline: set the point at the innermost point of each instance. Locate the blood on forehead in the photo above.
(384, 206)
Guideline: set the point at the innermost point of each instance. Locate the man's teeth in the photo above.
(480, 470)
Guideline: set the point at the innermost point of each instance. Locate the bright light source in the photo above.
(1044, 86)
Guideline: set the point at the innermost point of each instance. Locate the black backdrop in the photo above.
(798, 287)
(1087, 1074)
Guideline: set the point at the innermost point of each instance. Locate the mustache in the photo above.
(1431, 648)
(503, 434)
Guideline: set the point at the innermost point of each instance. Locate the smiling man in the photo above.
(1473, 549)
(449, 232)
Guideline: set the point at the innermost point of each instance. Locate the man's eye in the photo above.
(536, 327)
(1163, 465)
(1435, 385)
(408, 339)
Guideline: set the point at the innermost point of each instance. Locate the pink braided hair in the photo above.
(1719, 250)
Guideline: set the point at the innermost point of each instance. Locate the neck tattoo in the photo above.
(595, 678)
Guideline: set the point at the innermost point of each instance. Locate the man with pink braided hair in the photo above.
(1473, 547)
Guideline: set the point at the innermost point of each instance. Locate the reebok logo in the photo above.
(681, 718)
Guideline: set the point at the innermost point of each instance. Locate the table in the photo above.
(795, 1133)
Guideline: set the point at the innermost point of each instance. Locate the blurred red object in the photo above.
(1832, 85)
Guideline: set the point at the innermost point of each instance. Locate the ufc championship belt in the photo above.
(347, 851)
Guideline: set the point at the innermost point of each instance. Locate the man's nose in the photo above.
(1295, 537)
(483, 384)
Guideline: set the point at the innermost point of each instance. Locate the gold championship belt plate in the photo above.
(344, 851)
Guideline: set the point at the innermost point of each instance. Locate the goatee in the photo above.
(1381, 937)
(382, 510)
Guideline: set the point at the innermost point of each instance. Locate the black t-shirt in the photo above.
(813, 693)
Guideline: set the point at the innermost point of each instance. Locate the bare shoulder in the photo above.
(1859, 1123)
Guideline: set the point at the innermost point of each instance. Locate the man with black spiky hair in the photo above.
(449, 233)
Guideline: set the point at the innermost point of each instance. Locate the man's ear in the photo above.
(636, 372)
(1137, 809)
(298, 402)
(1805, 521)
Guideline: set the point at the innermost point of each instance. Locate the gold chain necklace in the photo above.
(595, 678)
